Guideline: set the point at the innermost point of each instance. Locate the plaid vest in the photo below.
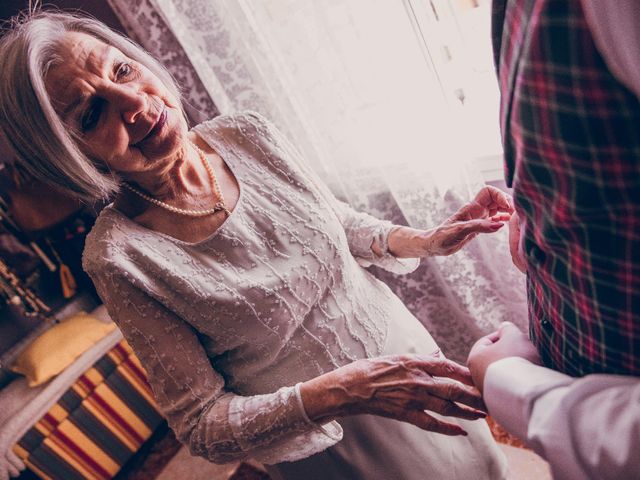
(571, 137)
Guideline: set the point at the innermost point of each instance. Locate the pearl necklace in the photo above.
(219, 206)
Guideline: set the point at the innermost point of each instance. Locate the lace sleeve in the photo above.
(362, 229)
(214, 423)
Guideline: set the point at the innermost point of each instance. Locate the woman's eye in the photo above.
(91, 116)
(124, 70)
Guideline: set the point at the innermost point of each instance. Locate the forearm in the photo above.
(406, 242)
(445, 239)
(584, 428)
(323, 397)
(214, 423)
(511, 387)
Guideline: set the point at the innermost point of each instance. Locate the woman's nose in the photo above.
(131, 104)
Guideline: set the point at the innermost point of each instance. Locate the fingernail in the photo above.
(496, 226)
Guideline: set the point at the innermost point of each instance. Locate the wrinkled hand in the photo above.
(485, 214)
(517, 256)
(507, 341)
(401, 387)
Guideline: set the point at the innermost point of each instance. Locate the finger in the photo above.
(415, 416)
(452, 409)
(487, 340)
(506, 325)
(481, 344)
(467, 212)
(448, 390)
(494, 336)
(492, 197)
(425, 421)
(508, 329)
(479, 226)
(502, 200)
(500, 217)
(443, 367)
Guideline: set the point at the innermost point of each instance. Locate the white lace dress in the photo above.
(226, 327)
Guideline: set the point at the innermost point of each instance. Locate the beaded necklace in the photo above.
(219, 205)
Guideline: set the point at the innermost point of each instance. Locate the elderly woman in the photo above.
(236, 275)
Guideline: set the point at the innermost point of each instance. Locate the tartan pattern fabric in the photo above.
(571, 135)
(97, 425)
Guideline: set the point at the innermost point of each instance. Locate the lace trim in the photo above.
(286, 411)
(331, 429)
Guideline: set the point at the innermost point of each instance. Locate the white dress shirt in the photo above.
(615, 26)
(586, 428)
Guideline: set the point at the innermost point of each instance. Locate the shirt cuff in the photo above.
(512, 385)
(387, 261)
(332, 429)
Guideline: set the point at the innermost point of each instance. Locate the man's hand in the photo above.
(517, 256)
(507, 341)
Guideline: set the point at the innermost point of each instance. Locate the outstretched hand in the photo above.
(486, 213)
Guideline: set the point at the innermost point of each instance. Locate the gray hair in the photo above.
(42, 145)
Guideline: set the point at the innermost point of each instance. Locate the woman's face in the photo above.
(123, 113)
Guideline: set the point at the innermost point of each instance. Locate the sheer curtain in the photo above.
(391, 101)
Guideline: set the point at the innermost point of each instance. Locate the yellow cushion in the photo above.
(58, 347)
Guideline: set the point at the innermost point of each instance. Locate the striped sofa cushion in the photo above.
(97, 425)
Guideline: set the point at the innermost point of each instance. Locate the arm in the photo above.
(584, 428)
(367, 236)
(281, 426)
(213, 422)
(379, 242)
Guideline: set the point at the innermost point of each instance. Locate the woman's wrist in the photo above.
(320, 402)
(407, 242)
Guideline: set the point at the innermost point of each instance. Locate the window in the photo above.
(415, 75)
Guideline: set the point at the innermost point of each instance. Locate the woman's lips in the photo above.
(157, 128)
